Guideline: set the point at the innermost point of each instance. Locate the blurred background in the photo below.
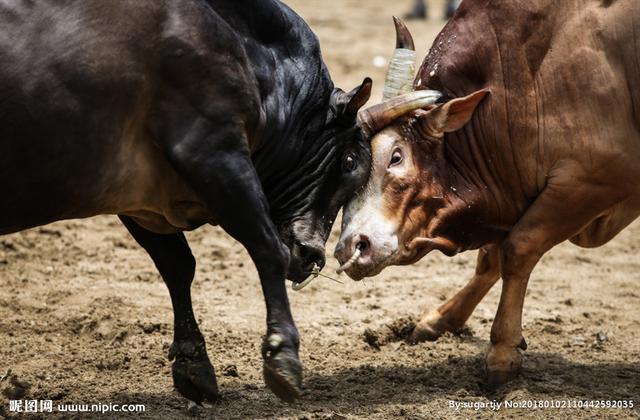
(358, 36)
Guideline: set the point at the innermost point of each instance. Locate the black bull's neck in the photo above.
(288, 145)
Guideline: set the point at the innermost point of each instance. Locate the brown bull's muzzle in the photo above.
(363, 254)
(355, 256)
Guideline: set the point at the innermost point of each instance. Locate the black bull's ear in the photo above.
(346, 104)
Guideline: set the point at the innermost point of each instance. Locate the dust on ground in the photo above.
(85, 318)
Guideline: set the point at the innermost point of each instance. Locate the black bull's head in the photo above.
(326, 165)
(333, 160)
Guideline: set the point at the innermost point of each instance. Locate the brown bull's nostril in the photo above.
(362, 243)
(359, 244)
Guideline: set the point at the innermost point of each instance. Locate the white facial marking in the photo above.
(365, 214)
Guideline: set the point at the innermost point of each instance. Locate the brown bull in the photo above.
(541, 146)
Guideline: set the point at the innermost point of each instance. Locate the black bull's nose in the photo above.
(304, 257)
(312, 255)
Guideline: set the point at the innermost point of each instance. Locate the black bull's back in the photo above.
(156, 111)
(81, 86)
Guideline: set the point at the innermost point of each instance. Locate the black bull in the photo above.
(172, 115)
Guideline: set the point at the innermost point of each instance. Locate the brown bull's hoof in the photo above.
(429, 328)
(193, 375)
(282, 370)
(424, 332)
(496, 379)
(503, 365)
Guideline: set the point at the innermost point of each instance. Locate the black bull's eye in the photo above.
(349, 163)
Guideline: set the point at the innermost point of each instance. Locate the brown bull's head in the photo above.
(394, 220)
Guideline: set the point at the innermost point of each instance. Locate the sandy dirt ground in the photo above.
(85, 318)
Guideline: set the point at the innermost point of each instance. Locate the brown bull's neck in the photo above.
(462, 216)
(494, 166)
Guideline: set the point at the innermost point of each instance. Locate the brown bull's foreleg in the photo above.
(504, 358)
(558, 213)
(454, 313)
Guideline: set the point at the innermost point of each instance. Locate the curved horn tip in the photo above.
(403, 36)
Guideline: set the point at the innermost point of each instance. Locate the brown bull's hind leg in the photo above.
(454, 313)
(546, 223)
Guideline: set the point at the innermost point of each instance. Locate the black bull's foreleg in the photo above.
(193, 374)
(214, 158)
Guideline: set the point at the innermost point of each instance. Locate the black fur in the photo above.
(175, 114)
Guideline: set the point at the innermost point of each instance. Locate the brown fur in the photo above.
(553, 153)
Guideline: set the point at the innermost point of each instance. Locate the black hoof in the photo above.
(193, 375)
(282, 370)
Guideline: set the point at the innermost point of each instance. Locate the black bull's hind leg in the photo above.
(193, 374)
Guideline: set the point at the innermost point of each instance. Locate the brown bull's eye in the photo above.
(396, 158)
(349, 163)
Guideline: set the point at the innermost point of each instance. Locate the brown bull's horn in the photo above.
(402, 66)
(403, 36)
(377, 117)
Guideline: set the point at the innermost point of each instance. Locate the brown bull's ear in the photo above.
(454, 114)
(347, 104)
